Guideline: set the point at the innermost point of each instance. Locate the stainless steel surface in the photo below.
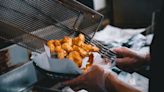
(27, 78)
(18, 79)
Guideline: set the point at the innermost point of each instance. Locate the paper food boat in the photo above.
(45, 61)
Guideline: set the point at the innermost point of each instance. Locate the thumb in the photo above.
(75, 82)
(122, 61)
(72, 83)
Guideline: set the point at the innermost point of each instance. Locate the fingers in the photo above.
(96, 68)
(124, 64)
(78, 88)
(123, 61)
(59, 86)
(80, 79)
(118, 50)
(123, 51)
(75, 82)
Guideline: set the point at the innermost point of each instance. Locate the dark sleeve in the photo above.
(157, 56)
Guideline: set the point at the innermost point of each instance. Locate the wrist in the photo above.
(109, 80)
(147, 58)
(103, 85)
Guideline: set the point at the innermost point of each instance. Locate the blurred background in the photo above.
(125, 13)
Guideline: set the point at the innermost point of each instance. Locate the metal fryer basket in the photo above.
(30, 23)
(66, 16)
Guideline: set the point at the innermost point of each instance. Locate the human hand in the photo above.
(92, 81)
(97, 79)
(130, 60)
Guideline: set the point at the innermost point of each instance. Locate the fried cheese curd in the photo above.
(75, 49)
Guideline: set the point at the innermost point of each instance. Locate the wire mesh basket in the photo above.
(66, 17)
(31, 23)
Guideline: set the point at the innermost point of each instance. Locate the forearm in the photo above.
(113, 84)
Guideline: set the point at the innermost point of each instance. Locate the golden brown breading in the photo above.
(50, 45)
(50, 42)
(95, 49)
(75, 56)
(73, 48)
(52, 48)
(67, 47)
(82, 52)
(81, 37)
(56, 43)
(77, 41)
(90, 48)
(68, 40)
(87, 47)
(61, 54)
(58, 49)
